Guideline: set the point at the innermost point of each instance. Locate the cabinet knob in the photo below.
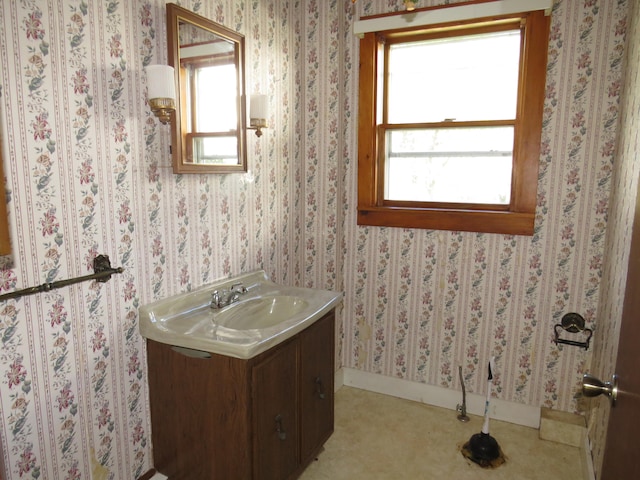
(282, 435)
(320, 388)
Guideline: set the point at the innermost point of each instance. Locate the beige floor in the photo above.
(382, 437)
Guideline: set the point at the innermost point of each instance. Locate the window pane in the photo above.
(450, 165)
(215, 108)
(216, 150)
(474, 77)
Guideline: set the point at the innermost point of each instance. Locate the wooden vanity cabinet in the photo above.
(317, 375)
(226, 418)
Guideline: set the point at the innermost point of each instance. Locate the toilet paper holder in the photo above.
(572, 323)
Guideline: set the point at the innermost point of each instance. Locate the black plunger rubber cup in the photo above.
(483, 447)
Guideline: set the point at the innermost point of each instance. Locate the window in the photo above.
(449, 124)
(213, 137)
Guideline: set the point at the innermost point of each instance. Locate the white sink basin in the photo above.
(259, 312)
(264, 316)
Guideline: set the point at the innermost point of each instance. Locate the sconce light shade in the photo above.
(161, 91)
(258, 113)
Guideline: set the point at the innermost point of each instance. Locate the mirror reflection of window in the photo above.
(216, 150)
(212, 114)
(212, 87)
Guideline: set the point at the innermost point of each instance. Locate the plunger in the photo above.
(482, 448)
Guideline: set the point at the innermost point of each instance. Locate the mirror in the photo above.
(209, 124)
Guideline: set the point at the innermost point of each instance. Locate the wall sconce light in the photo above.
(161, 91)
(258, 113)
(410, 5)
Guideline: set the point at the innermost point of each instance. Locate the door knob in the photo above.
(592, 387)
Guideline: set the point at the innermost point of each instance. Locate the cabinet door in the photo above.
(316, 385)
(275, 400)
(199, 415)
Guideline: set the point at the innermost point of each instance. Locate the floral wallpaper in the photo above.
(618, 242)
(88, 172)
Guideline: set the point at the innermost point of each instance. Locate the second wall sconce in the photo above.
(258, 112)
(161, 91)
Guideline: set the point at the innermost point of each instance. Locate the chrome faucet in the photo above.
(220, 299)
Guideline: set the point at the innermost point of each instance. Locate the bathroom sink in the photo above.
(259, 312)
(263, 316)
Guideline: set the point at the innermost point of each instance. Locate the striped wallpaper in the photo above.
(88, 172)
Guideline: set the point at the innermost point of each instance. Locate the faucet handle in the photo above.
(215, 298)
(238, 287)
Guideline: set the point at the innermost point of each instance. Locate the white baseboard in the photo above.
(338, 381)
(440, 397)
(159, 476)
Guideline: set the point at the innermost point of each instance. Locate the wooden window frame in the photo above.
(5, 240)
(518, 217)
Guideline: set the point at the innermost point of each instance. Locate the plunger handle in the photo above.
(485, 425)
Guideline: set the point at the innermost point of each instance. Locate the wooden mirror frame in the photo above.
(175, 16)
